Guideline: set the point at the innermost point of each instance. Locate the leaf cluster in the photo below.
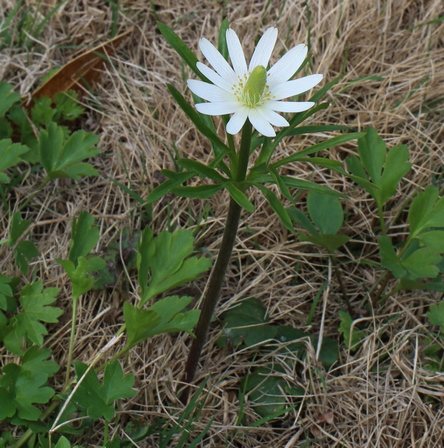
(247, 325)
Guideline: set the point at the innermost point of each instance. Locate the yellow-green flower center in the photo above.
(252, 92)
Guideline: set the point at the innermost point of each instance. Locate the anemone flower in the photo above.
(252, 91)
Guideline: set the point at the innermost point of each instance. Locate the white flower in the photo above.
(252, 92)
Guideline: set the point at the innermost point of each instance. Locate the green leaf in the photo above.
(199, 192)
(202, 169)
(99, 399)
(247, 324)
(139, 323)
(423, 263)
(325, 212)
(10, 156)
(181, 48)
(34, 303)
(389, 258)
(35, 361)
(436, 314)
(20, 389)
(222, 39)
(277, 206)
(426, 211)
(168, 185)
(239, 197)
(67, 104)
(7, 97)
(80, 275)
(195, 117)
(24, 252)
(396, 167)
(84, 237)
(42, 113)
(372, 152)
(330, 143)
(328, 242)
(166, 262)
(165, 316)
(268, 390)
(18, 227)
(302, 219)
(352, 335)
(433, 239)
(61, 157)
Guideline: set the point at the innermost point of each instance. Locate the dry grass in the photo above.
(379, 396)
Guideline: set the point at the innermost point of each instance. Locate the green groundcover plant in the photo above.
(250, 98)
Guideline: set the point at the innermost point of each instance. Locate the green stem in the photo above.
(220, 268)
(31, 196)
(71, 340)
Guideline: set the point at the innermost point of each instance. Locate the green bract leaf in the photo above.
(165, 263)
(202, 169)
(200, 191)
(277, 206)
(168, 185)
(335, 141)
(197, 120)
(35, 361)
(99, 399)
(239, 197)
(436, 314)
(181, 48)
(10, 156)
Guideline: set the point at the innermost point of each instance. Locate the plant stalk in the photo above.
(220, 268)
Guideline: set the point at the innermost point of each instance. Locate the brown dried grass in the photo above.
(398, 406)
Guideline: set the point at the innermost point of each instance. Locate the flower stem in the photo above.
(220, 268)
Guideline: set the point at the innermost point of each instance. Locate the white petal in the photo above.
(236, 53)
(288, 106)
(264, 48)
(218, 108)
(276, 119)
(209, 92)
(260, 122)
(214, 77)
(237, 121)
(217, 60)
(295, 87)
(287, 66)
